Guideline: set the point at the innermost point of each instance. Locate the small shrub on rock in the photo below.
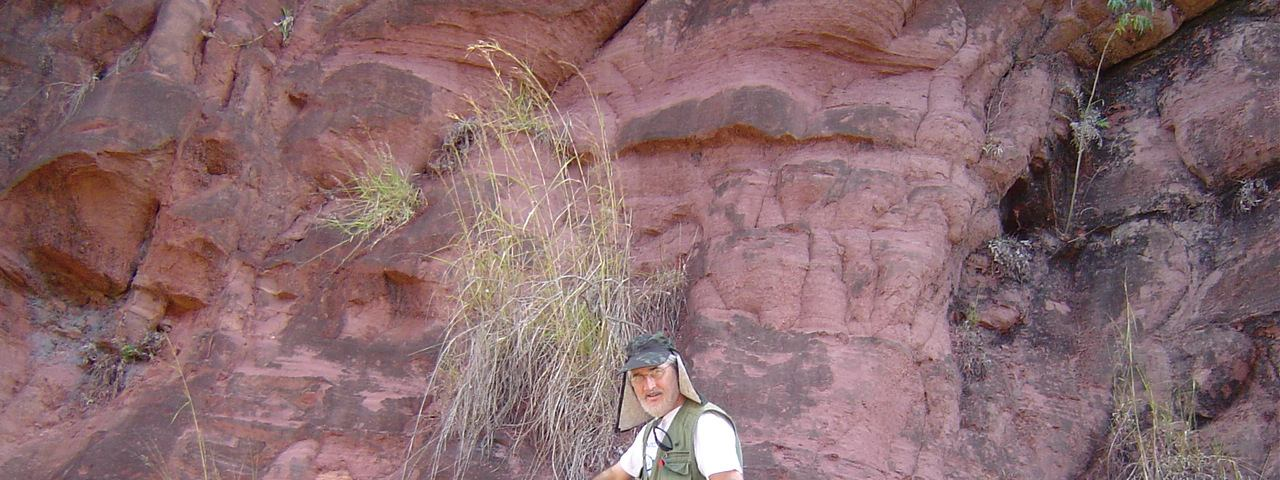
(105, 363)
(456, 143)
(1250, 194)
(1012, 257)
(971, 356)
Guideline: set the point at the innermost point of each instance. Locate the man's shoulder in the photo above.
(716, 443)
(708, 407)
(715, 417)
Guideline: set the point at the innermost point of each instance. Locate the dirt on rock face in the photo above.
(887, 275)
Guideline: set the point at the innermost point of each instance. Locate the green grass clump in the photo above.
(547, 295)
(376, 202)
(1148, 439)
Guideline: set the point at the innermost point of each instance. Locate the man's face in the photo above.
(657, 388)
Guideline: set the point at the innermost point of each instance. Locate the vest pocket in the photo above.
(677, 462)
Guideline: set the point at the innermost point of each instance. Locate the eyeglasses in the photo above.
(656, 374)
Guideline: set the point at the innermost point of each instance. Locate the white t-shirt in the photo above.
(714, 446)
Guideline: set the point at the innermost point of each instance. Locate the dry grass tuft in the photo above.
(73, 94)
(1011, 256)
(1250, 194)
(455, 145)
(106, 364)
(1148, 440)
(969, 347)
(547, 294)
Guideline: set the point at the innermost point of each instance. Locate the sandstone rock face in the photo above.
(832, 172)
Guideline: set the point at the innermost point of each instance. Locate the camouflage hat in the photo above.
(648, 351)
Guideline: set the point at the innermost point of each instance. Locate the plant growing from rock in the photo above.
(454, 146)
(284, 24)
(1011, 256)
(376, 202)
(547, 295)
(1133, 16)
(993, 147)
(1148, 439)
(74, 93)
(968, 347)
(1250, 194)
(106, 363)
(208, 468)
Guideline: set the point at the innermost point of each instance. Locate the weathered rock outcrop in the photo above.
(831, 171)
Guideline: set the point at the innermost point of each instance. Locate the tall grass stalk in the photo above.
(208, 469)
(546, 294)
(1148, 439)
(1086, 128)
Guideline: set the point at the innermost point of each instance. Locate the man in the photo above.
(683, 436)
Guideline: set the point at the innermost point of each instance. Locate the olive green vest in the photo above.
(679, 462)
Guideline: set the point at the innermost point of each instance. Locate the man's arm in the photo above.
(733, 475)
(616, 473)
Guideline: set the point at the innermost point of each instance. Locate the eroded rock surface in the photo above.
(832, 172)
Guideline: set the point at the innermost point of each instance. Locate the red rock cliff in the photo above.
(834, 173)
